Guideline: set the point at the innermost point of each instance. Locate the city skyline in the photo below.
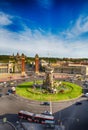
(50, 28)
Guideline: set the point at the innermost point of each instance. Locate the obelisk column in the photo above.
(36, 63)
(23, 65)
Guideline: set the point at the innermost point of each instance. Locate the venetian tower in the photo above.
(23, 64)
(36, 63)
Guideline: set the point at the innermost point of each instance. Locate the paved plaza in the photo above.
(9, 77)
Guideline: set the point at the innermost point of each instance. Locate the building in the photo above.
(16, 64)
(43, 63)
(4, 67)
(72, 69)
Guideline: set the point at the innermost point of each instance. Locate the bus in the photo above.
(47, 120)
(25, 115)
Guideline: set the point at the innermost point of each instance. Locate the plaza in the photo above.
(11, 104)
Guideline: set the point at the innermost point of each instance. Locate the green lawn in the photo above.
(26, 90)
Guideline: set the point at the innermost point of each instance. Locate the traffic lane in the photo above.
(65, 104)
(14, 103)
(74, 117)
(82, 116)
(9, 104)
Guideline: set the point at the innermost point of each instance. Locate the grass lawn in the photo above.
(26, 90)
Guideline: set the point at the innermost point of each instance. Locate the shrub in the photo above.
(61, 91)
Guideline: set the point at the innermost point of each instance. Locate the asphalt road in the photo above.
(74, 117)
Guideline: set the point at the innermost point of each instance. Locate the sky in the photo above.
(49, 28)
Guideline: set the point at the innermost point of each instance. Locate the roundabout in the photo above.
(49, 89)
(35, 91)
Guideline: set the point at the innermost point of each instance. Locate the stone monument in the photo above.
(49, 78)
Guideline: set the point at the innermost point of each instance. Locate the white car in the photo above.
(86, 94)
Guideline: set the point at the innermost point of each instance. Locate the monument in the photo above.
(49, 82)
(49, 77)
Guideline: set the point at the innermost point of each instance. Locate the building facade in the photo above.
(16, 64)
(4, 67)
(83, 69)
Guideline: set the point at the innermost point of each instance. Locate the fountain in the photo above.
(49, 83)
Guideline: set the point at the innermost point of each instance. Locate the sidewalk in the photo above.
(8, 77)
(6, 126)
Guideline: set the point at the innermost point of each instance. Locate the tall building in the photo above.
(23, 64)
(36, 63)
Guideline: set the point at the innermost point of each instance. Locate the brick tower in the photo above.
(23, 64)
(36, 63)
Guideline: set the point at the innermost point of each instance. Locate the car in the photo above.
(45, 103)
(1, 94)
(8, 93)
(0, 89)
(78, 103)
(86, 94)
(10, 90)
(47, 113)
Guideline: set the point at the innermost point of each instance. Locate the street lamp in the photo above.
(4, 120)
(51, 111)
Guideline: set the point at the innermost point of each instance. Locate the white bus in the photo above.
(48, 120)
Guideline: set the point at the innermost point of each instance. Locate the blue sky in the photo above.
(53, 28)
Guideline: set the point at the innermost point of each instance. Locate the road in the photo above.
(74, 116)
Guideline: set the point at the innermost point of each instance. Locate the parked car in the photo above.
(9, 92)
(1, 94)
(86, 94)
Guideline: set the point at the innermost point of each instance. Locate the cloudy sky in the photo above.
(53, 28)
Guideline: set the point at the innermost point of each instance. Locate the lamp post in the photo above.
(51, 110)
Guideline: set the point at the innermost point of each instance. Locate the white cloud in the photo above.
(80, 27)
(31, 42)
(5, 19)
